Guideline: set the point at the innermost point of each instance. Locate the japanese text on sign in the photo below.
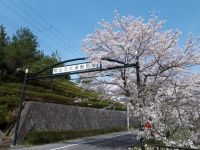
(73, 68)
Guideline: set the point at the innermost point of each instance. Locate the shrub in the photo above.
(41, 137)
(10, 101)
(6, 117)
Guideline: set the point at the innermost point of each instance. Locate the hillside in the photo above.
(58, 91)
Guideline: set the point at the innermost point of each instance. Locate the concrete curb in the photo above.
(16, 147)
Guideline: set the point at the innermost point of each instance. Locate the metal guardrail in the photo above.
(172, 148)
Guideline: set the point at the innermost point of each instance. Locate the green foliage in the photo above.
(92, 104)
(7, 104)
(21, 51)
(153, 142)
(119, 106)
(3, 111)
(44, 61)
(4, 40)
(3, 37)
(62, 92)
(6, 118)
(49, 98)
(180, 134)
(41, 137)
(10, 101)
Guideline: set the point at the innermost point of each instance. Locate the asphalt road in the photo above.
(114, 141)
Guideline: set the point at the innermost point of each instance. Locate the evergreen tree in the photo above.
(22, 51)
(4, 40)
(44, 61)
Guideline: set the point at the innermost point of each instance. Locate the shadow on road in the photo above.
(122, 142)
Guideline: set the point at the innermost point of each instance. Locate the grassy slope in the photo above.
(61, 92)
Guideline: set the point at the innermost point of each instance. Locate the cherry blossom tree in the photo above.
(165, 83)
(175, 112)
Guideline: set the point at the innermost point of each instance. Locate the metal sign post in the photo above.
(20, 108)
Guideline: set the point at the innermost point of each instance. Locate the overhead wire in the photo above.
(72, 45)
(9, 24)
(33, 25)
(45, 20)
(13, 25)
(9, 21)
(44, 43)
(33, 18)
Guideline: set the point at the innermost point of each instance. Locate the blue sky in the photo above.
(62, 24)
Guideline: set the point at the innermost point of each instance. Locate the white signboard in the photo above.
(73, 68)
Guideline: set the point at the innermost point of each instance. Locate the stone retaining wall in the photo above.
(39, 116)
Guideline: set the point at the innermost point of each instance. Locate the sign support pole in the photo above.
(20, 108)
(128, 116)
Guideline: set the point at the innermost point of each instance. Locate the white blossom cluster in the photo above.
(169, 92)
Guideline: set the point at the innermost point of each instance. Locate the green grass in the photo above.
(61, 93)
(41, 137)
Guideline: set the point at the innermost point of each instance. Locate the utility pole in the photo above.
(20, 108)
(128, 115)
